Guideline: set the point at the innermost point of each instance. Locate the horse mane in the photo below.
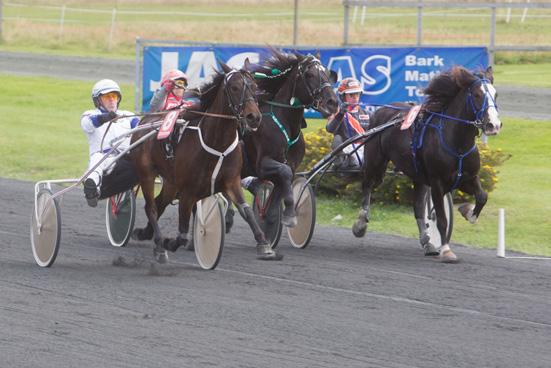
(209, 90)
(443, 88)
(279, 61)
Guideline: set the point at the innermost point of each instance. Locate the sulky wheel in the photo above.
(305, 206)
(430, 218)
(209, 227)
(120, 214)
(267, 211)
(45, 229)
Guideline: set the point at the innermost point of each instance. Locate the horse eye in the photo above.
(234, 88)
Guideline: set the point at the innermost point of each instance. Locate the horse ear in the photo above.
(490, 74)
(246, 64)
(224, 67)
(333, 76)
(317, 55)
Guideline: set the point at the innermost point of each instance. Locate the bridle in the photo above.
(488, 102)
(313, 94)
(237, 108)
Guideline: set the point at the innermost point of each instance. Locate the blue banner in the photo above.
(386, 74)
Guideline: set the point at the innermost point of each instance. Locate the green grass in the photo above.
(41, 139)
(529, 75)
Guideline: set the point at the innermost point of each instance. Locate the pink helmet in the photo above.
(174, 75)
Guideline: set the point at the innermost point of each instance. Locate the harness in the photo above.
(420, 129)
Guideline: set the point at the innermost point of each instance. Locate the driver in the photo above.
(100, 126)
(349, 121)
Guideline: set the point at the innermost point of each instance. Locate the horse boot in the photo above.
(160, 254)
(230, 213)
(173, 244)
(360, 226)
(169, 149)
(447, 256)
(424, 238)
(289, 217)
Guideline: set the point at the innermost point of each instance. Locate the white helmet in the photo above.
(105, 86)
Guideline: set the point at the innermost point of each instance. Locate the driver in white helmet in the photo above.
(101, 126)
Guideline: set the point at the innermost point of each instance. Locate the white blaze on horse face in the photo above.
(493, 116)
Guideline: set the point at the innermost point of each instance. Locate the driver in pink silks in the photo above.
(349, 121)
(107, 179)
(172, 94)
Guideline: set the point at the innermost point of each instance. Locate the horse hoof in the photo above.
(161, 255)
(448, 256)
(265, 253)
(289, 221)
(359, 229)
(430, 250)
(466, 211)
(229, 220)
(190, 246)
(141, 234)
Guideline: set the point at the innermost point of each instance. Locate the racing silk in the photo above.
(95, 133)
(349, 124)
(163, 100)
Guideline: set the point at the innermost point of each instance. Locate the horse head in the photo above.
(481, 99)
(240, 89)
(314, 85)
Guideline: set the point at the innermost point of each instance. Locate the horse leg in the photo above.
(374, 171)
(446, 254)
(148, 189)
(263, 249)
(165, 197)
(185, 206)
(284, 175)
(419, 209)
(473, 187)
(230, 213)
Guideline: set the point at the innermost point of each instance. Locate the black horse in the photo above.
(229, 101)
(290, 83)
(439, 150)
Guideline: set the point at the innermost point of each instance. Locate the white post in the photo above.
(113, 16)
(508, 18)
(501, 234)
(363, 14)
(61, 22)
(355, 14)
(524, 13)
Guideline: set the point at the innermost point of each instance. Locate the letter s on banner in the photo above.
(379, 83)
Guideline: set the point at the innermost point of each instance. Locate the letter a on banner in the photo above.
(168, 122)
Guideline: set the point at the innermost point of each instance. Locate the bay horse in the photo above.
(228, 101)
(439, 150)
(289, 84)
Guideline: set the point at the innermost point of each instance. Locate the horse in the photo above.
(438, 151)
(289, 83)
(229, 101)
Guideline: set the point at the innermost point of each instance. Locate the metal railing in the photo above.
(423, 5)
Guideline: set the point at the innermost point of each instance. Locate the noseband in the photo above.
(313, 94)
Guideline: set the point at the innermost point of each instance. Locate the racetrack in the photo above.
(514, 101)
(342, 302)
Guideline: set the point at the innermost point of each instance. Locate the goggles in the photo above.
(110, 96)
(180, 83)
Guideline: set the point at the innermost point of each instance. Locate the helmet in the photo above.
(174, 75)
(102, 87)
(349, 85)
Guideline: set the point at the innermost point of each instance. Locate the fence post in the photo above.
(61, 22)
(346, 19)
(113, 16)
(420, 24)
(525, 11)
(508, 17)
(364, 7)
(492, 35)
(295, 25)
(1, 19)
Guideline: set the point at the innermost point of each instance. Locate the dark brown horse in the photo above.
(438, 151)
(233, 94)
(290, 83)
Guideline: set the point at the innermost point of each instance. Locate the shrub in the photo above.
(395, 188)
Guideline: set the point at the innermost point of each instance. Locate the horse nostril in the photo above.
(252, 118)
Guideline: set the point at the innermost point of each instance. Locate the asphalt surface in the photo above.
(341, 302)
(522, 102)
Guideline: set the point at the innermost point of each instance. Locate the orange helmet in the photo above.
(349, 85)
(175, 75)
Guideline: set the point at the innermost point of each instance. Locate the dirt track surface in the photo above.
(341, 302)
(522, 102)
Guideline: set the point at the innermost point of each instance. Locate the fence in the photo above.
(421, 6)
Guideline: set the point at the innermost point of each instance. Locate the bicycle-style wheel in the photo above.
(120, 214)
(209, 228)
(45, 229)
(267, 211)
(305, 206)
